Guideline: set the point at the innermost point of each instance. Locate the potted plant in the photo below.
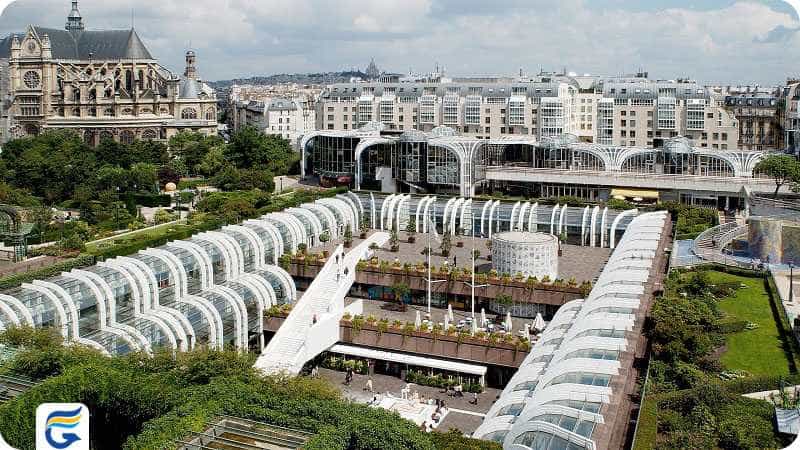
(489, 246)
(476, 253)
(348, 237)
(394, 242)
(446, 245)
(411, 229)
(364, 228)
(460, 244)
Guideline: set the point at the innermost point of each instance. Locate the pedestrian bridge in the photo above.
(312, 326)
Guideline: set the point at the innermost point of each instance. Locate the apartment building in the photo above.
(760, 117)
(289, 118)
(631, 111)
(791, 114)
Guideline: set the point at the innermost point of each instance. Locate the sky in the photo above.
(712, 41)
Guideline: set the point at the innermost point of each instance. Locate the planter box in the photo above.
(422, 343)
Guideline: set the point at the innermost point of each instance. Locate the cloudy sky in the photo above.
(714, 41)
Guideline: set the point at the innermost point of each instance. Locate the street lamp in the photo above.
(472, 284)
(791, 281)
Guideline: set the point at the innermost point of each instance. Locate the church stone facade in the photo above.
(102, 84)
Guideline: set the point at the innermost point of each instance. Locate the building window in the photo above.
(149, 135)
(29, 106)
(188, 113)
(32, 79)
(126, 137)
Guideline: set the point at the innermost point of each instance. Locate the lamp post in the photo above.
(472, 284)
(791, 281)
(429, 252)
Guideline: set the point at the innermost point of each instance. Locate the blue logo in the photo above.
(63, 419)
(62, 426)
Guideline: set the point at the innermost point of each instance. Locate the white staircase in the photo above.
(299, 339)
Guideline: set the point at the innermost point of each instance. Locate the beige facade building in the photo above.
(103, 84)
(623, 112)
(287, 117)
(760, 117)
(791, 114)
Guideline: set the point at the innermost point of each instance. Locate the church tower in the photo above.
(191, 69)
(74, 19)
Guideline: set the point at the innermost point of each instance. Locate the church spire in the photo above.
(74, 19)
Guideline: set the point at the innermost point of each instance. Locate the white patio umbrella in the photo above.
(538, 322)
(418, 321)
(474, 327)
(450, 312)
(483, 317)
(446, 322)
(508, 321)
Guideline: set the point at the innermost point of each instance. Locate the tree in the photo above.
(256, 179)
(783, 169)
(212, 162)
(193, 148)
(227, 179)
(249, 148)
(446, 244)
(400, 290)
(143, 177)
(167, 174)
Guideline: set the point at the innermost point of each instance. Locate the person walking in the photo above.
(474, 400)
(368, 385)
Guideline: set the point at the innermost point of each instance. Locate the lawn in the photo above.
(759, 351)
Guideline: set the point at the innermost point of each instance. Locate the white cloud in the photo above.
(742, 42)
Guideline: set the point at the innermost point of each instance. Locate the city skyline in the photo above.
(712, 41)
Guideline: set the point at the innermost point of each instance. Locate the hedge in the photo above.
(148, 402)
(133, 246)
(152, 200)
(15, 280)
(647, 425)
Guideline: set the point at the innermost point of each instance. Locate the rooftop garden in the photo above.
(143, 402)
(715, 336)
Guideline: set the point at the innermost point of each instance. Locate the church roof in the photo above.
(78, 45)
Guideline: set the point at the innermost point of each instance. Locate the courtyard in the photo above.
(462, 415)
(581, 263)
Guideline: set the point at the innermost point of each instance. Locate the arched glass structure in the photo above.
(210, 290)
(558, 397)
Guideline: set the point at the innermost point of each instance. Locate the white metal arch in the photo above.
(533, 225)
(492, 222)
(553, 218)
(141, 295)
(325, 214)
(274, 234)
(201, 257)
(316, 225)
(613, 234)
(467, 207)
(170, 316)
(21, 310)
(106, 308)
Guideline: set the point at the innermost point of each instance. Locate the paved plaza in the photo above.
(463, 415)
(581, 263)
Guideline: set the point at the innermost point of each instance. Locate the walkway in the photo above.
(313, 325)
(462, 415)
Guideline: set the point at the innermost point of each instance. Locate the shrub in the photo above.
(15, 280)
